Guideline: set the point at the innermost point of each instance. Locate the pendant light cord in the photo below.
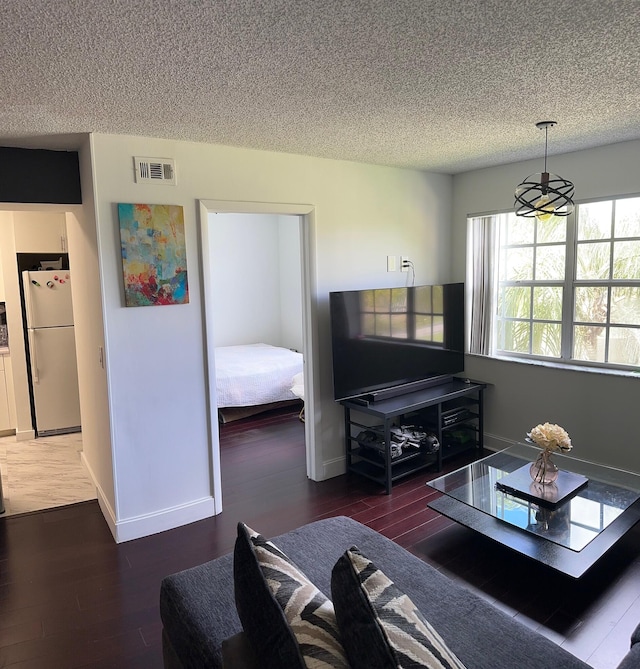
(527, 194)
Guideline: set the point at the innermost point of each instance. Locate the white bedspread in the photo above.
(255, 374)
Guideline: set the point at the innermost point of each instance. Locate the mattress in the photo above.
(255, 374)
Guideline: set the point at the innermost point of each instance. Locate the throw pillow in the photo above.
(288, 621)
(381, 627)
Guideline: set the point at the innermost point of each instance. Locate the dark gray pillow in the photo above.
(380, 626)
(288, 621)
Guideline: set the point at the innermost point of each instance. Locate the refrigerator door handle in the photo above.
(27, 297)
(34, 356)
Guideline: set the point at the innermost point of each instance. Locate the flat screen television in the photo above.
(389, 341)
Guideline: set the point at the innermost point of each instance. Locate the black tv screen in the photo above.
(394, 338)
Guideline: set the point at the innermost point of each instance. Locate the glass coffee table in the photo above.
(569, 536)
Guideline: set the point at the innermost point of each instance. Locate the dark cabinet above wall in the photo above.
(39, 176)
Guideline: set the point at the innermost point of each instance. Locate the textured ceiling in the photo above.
(441, 85)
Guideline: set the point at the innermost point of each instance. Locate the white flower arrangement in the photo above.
(551, 437)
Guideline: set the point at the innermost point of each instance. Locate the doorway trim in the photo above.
(306, 212)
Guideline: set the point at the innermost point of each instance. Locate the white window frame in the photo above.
(484, 262)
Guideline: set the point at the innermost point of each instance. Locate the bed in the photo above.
(253, 377)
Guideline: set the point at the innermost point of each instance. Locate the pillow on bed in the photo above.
(288, 621)
(379, 625)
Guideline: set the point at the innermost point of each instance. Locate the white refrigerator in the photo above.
(52, 351)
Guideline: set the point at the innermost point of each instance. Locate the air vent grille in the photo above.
(155, 170)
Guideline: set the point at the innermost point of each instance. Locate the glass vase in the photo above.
(544, 469)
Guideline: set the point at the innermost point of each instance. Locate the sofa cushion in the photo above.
(380, 625)
(288, 621)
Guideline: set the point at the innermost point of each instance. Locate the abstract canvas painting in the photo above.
(153, 254)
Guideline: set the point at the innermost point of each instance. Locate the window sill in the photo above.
(560, 365)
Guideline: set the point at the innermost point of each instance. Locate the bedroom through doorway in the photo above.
(257, 336)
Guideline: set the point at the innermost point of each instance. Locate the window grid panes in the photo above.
(532, 262)
(606, 309)
(599, 276)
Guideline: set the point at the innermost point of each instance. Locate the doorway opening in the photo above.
(296, 253)
(40, 445)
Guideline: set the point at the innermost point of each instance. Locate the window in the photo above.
(561, 288)
(531, 273)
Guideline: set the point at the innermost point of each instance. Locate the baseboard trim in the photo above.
(103, 502)
(107, 512)
(166, 519)
(25, 435)
(151, 523)
(335, 467)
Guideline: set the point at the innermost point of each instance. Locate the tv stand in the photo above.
(446, 409)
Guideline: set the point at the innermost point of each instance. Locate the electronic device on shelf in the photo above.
(390, 341)
(457, 416)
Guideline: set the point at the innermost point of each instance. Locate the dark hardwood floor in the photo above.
(70, 597)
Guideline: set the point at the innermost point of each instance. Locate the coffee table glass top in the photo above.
(572, 523)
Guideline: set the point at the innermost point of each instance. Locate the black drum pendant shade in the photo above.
(544, 195)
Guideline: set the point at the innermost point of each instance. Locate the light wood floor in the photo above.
(70, 597)
(43, 473)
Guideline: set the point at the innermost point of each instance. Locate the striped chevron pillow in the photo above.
(380, 626)
(288, 621)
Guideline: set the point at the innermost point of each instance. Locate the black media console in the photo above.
(451, 410)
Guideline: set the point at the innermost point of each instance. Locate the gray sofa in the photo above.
(199, 616)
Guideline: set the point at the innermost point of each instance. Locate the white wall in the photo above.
(598, 410)
(19, 405)
(257, 279)
(290, 254)
(90, 340)
(155, 355)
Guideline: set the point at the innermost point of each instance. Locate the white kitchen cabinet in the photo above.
(40, 232)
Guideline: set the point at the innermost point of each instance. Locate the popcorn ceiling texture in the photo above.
(441, 85)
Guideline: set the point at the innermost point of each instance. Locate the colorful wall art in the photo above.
(154, 259)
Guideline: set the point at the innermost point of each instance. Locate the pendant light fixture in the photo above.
(544, 195)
